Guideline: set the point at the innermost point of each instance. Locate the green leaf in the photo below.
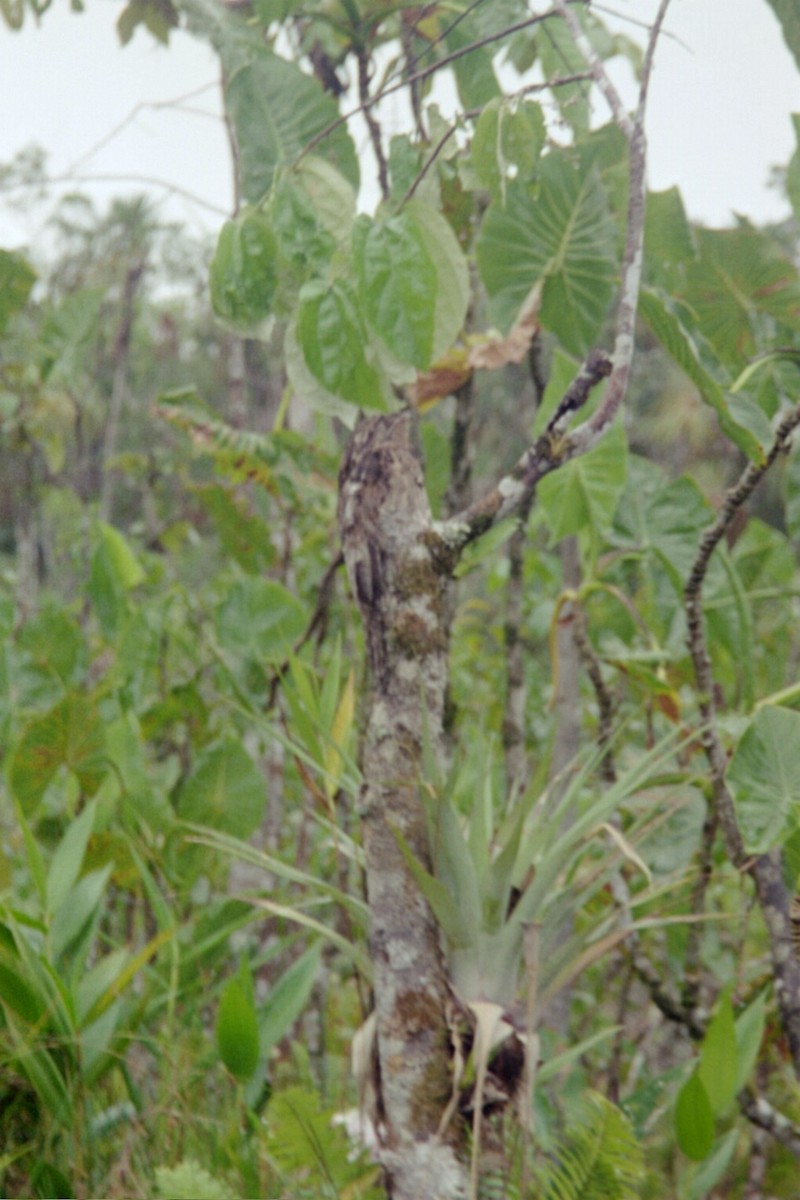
(704, 1178)
(475, 78)
(78, 911)
(750, 1025)
(70, 735)
(17, 278)
(751, 431)
(668, 238)
(559, 58)
(694, 1120)
(189, 1178)
(452, 274)
(115, 570)
(332, 337)
(225, 791)
(764, 775)
(242, 535)
(287, 998)
(508, 140)
(740, 275)
(16, 993)
(276, 110)
(237, 1030)
(718, 1068)
(158, 16)
(260, 619)
(397, 282)
(445, 907)
(584, 493)
(68, 857)
(560, 233)
(787, 13)
(244, 271)
(676, 517)
(317, 397)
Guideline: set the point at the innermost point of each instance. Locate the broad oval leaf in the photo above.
(694, 1120)
(764, 775)
(226, 791)
(260, 619)
(237, 1031)
(70, 735)
(276, 110)
(452, 274)
(750, 1026)
(560, 233)
(398, 283)
(332, 337)
(718, 1067)
(244, 271)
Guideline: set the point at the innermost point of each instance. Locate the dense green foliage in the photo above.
(183, 963)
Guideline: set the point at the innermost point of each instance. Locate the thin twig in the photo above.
(418, 76)
(54, 180)
(374, 128)
(586, 435)
(709, 735)
(599, 73)
(766, 869)
(177, 103)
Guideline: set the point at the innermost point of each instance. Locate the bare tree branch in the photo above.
(765, 869)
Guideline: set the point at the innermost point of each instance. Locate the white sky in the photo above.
(721, 96)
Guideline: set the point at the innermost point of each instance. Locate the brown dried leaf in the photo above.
(498, 352)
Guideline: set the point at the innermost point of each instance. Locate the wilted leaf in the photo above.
(497, 352)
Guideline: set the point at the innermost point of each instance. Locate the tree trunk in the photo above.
(399, 572)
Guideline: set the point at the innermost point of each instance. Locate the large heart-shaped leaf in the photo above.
(560, 233)
(70, 735)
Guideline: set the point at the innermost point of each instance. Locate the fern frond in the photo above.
(600, 1159)
(244, 454)
(190, 1179)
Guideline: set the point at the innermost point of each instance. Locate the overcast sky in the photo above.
(721, 96)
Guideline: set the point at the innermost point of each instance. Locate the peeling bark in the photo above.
(399, 571)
